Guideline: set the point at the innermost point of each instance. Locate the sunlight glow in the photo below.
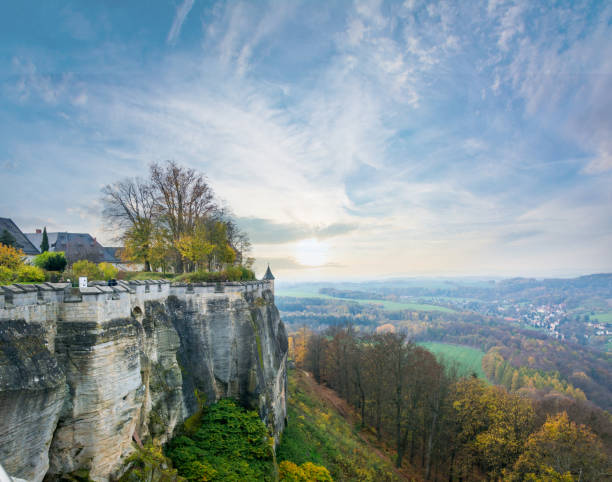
(312, 252)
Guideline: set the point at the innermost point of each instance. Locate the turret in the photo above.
(269, 278)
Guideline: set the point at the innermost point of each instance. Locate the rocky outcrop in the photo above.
(84, 371)
(32, 391)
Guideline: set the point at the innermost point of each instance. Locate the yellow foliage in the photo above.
(307, 472)
(10, 257)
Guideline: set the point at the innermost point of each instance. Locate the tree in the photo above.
(51, 260)
(195, 247)
(561, 448)
(129, 205)
(182, 198)
(88, 269)
(137, 241)
(8, 239)
(44, 245)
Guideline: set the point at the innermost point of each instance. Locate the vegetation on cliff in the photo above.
(232, 444)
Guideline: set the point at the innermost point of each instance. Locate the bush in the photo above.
(232, 273)
(51, 261)
(108, 271)
(7, 275)
(30, 273)
(86, 268)
(10, 257)
(230, 444)
(307, 472)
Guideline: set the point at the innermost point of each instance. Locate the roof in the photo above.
(75, 245)
(21, 240)
(36, 239)
(78, 246)
(268, 275)
(111, 254)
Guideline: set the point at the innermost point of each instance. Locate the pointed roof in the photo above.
(21, 240)
(268, 275)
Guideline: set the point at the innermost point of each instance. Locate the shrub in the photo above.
(7, 275)
(51, 261)
(307, 472)
(232, 273)
(10, 257)
(30, 273)
(230, 444)
(86, 268)
(108, 271)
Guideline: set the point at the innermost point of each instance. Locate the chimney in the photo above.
(38, 231)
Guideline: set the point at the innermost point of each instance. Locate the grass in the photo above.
(468, 360)
(387, 305)
(317, 433)
(602, 317)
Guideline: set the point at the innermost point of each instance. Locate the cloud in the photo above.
(267, 231)
(181, 14)
(289, 264)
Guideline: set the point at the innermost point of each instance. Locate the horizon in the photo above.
(353, 140)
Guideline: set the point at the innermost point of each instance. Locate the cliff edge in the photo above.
(83, 372)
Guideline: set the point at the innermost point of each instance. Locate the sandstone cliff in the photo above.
(82, 371)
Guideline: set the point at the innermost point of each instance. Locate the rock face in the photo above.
(83, 371)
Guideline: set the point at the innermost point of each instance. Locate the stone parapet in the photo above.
(40, 302)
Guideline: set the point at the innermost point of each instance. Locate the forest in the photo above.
(451, 427)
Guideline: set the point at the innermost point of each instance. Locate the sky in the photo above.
(352, 140)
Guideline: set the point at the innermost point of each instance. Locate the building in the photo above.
(269, 277)
(77, 246)
(21, 240)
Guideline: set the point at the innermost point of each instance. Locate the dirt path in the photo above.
(344, 409)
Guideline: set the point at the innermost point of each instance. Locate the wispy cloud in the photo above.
(177, 24)
(413, 137)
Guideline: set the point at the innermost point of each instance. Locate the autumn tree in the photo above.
(172, 218)
(129, 205)
(562, 448)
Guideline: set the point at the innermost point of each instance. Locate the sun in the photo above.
(311, 252)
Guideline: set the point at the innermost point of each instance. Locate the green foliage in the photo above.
(468, 360)
(504, 373)
(6, 275)
(230, 444)
(51, 261)
(86, 268)
(149, 463)
(27, 273)
(317, 433)
(44, 244)
(108, 271)
(232, 273)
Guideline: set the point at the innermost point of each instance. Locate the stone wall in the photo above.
(84, 370)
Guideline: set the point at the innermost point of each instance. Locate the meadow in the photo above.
(467, 359)
(387, 305)
(602, 317)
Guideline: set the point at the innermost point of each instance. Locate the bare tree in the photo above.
(128, 202)
(183, 198)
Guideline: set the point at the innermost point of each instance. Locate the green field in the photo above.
(602, 317)
(387, 305)
(468, 360)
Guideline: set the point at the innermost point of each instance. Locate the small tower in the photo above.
(269, 278)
